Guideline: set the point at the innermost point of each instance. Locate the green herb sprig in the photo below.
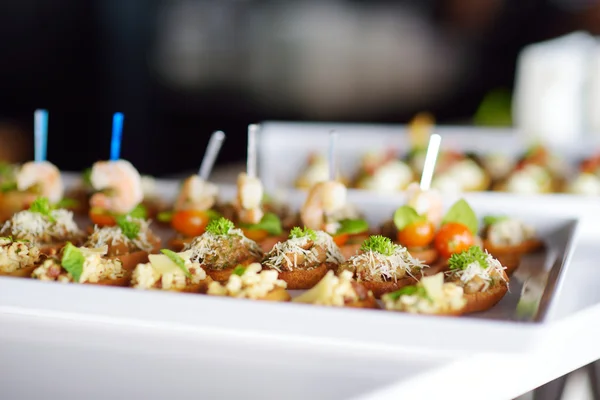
(379, 244)
(220, 226)
(298, 232)
(473, 254)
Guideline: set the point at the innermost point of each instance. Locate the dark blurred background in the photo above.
(180, 69)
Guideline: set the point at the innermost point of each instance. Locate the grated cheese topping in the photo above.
(15, 255)
(39, 229)
(510, 232)
(332, 290)
(254, 284)
(376, 267)
(152, 276)
(438, 297)
(113, 236)
(95, 268)
(474, 278)
(303, 253)
(223, 251)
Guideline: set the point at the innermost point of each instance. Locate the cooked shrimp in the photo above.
(249, 198)
(44, 177)
(428, 202)
(324, 198)
(196, 194)
(121, 183)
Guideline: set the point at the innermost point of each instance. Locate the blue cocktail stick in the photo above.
(40, 134)
(117, 134)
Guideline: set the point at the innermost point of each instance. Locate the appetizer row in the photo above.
(223, 262)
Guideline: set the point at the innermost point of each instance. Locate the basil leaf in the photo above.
(86, 176)
(352, 226)
(269, 222)
(72, 261)
(405, 216)
(165, 216)
(462, 213)
(492, 219)
(177, 260)
(8, 186)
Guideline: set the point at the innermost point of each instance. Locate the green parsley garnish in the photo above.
(298, 232)
(72, 261)
(467, 257)
(138, 212)
(67, 203)
(130, 229)
(378, 244)
(220, 226)
(176, 258)
(239, 270)
(41, 205)
(408, 291)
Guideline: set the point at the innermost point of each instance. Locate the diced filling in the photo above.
(118, 243)
(530, 179)
(304, 253)
(430, 296)
(41, 229)
(162, 273)
(509, 232)
(224, 251)
(586, 184)
(333, 290)
(95, 269)
(392, 176)
(253, 283)
(498, 165)
(478, 275)
(463, 175)
(15, 255)
(372, 266)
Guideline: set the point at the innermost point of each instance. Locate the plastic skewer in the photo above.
(117, 134)
(332, 159)
(251, 160)
(430, 159)
(210, 156)
(40, 134)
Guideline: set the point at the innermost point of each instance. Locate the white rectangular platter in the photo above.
(284, 147)
(503, 325)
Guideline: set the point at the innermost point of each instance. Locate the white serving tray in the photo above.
(367, 327)
(284, 147)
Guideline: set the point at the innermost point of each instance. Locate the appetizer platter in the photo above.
(240, 252)
(387, 158)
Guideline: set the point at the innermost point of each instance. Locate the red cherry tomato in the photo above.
(101, 218)
(341, 239)
(417, 234)
(190, 222)
(258, 235)
(453, 238)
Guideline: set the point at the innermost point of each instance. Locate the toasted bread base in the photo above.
(24, 272)
(482, 301)
(350, 250)
(123, 281)
(510, 261)
(52, 249)
(277, 294)
(222, 275)
(528, 246)
(301, 279)
(131, 260)
(177, 244)
(381, 288)
(201, 287)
